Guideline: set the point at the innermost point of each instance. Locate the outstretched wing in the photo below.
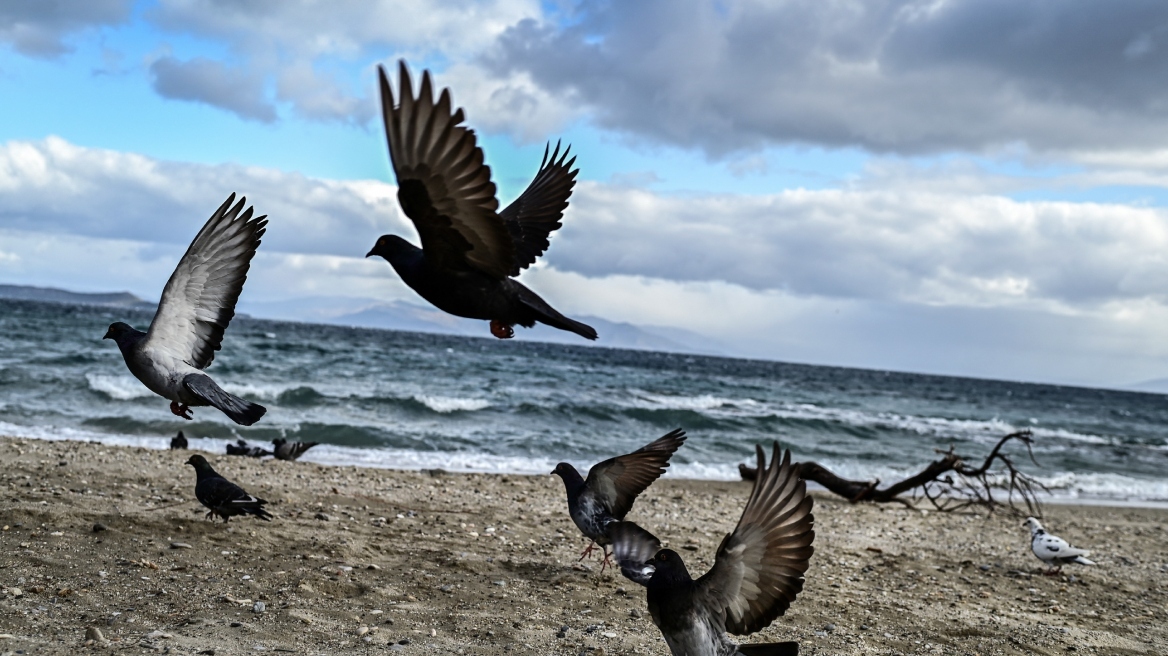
(537, 212)
(632, 549)
(759, 567)
(199, 299)
(443, 184)
(616, 482)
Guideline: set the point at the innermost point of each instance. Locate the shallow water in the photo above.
(391, 399)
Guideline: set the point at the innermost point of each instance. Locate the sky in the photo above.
(966, 187)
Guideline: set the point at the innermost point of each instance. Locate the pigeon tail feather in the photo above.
(241, 411)
(1082, 561)
(547, 314)
(770, 649)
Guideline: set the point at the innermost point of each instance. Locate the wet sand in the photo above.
(367, 560)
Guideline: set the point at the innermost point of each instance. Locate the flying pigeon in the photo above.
(197, 304)
(285, 450)
(178, 441)
(611, 487)
(242, 448)
(223, 497)
(470, 251)
(1053, 550)
(757, 572)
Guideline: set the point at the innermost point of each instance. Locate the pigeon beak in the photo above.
(369, 254)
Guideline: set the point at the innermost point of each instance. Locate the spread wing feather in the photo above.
(443, 185)
(533, 216)
(198, 301)
(759, 567)
(616, 482)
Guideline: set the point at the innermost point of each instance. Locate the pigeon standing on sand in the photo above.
(223, 497)
(470, 251)
(612, 486)
(242, 448)
(178, 441)
(285, 450)
(1053, 550)
(757, 573)
(197, 304)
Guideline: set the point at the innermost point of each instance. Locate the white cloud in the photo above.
(203, 80)
(38, 28)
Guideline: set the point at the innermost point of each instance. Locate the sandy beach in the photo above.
(366, 560)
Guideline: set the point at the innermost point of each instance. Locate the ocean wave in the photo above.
(118, 388)
(448, 404)
(648, 401)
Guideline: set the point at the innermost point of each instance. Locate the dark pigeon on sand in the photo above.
(470, 251)
(178, 441)
(612, 486)
(242, 448)
(757, 572)
(197, 304)
(285, 450)
(223, 497)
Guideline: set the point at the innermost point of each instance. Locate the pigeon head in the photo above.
(392, 247)
(122, 333)
(1032, 524)
(199, 463)
(668, 568)
(568, 473)
(278, 441)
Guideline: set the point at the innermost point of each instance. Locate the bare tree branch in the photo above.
(949, 484)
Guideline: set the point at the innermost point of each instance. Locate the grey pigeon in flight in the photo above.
(757, 572)
(470, 251)
(197, 304)
(1053, 550)
(285, 450)
(178, 441)
(612, 486)
(223, 497)
(242, 448)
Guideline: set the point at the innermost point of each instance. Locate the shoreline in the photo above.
(487, 564)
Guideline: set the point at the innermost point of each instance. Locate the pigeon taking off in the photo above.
(1053, 550)
(242, 448)
(470, 252)
(223, 497)
(197, 304)
(285, 450)
(178, 441)
(757, 572)
(612, 486)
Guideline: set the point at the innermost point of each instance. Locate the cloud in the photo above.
(910, 77)
(213, 83)
(38, 28)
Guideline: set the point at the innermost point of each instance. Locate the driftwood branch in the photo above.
(948, 483)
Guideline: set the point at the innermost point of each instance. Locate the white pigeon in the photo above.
(1053, 550)
(197, 304)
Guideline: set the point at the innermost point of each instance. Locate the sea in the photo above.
(390, 399)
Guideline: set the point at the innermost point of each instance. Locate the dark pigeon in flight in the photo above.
(757, 572)
(242, 448)
(178, 441)
(608, 493)
(223, 497)
(470, 251)
(197, 304)
(285, 450)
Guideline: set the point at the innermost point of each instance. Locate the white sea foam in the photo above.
(119, 388)
(698, 403)
(447, 404)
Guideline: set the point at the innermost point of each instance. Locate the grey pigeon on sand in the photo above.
(178, 441)
(470, 251)
(285, 450)
(242, 448)
(197, 304)
(612, 486)
(757, 573)
(223, 497)
(1053, 550)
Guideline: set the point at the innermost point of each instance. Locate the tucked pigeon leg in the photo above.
(502, 330)
(180, 410)
(1054, 571)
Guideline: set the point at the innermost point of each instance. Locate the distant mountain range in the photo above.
(401, 315)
